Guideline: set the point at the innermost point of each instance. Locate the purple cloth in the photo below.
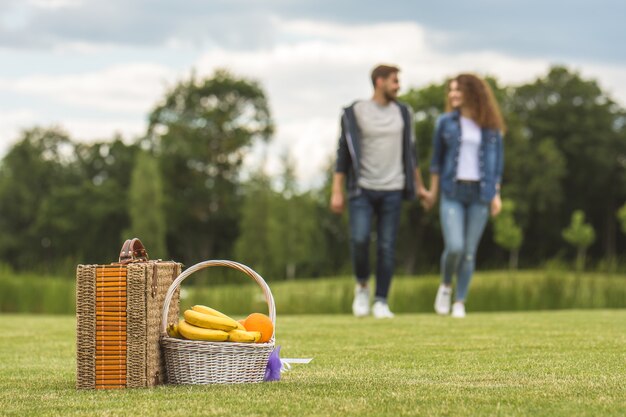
(272, 372)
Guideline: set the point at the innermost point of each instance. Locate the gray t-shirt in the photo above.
(381, 129)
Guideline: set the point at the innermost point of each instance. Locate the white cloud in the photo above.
(121, 88)
(55, 4)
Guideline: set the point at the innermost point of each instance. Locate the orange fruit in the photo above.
(257, 322)
(242, 322)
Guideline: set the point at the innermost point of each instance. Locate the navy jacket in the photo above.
(349, 152)
(446, 147)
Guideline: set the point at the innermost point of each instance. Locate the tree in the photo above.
(621, 215)
(587, 130)
(280, 231)
(335, 247)
(61, 202)
(507, 234)
(253, 245)
(533, 178)
(100, 202)
(286, 220)
(580, 235)
(295, 235)
(202, 131)
(33, 170)
(145, 206)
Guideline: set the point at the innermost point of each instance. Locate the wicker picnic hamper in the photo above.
(117, 320)
(202, 362)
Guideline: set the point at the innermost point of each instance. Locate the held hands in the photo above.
(427, 198)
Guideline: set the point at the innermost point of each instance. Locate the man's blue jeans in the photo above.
(463, 219)
(385, 206)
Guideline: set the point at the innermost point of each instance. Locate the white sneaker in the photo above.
(442, 300)
(361, 303)
(458, 310)
(381, 310)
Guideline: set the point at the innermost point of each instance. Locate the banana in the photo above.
(172, 331)
(213, 312)
(198, 333)
(209, 322)
(243, 336)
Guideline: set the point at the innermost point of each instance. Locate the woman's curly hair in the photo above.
(479, 98)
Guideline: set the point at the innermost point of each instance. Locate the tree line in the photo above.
(180, 187)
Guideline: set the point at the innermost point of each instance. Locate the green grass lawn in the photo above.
(564, 363)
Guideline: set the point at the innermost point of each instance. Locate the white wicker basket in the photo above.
(201, 362)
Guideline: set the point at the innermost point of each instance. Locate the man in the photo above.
(376, 163)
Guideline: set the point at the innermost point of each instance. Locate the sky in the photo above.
(97, 68)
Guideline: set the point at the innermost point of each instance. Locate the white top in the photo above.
(381, 129)
(468, 169)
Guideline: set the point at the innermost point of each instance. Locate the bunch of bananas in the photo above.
(205, 323)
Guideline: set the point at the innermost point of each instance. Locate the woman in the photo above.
(467, 165)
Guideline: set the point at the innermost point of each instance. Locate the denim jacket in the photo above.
(349, 152)
(446, 147)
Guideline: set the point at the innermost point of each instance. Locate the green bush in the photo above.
(490, 291)
(32, 293)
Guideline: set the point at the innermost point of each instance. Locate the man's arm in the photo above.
(337, 199)
(430, 196)
(419, 183)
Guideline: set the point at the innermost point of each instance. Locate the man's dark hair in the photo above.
(383, 71)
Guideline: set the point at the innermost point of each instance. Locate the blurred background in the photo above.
(208, 130)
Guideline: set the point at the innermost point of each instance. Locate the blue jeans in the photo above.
(386, 207)
(463, 220)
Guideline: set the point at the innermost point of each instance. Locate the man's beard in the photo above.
(390, 96)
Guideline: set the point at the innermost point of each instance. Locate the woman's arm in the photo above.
(496, 202)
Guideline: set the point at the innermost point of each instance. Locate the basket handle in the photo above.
(133, 250)
(269, 298)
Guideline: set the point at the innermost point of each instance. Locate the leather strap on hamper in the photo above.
(133, 250)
